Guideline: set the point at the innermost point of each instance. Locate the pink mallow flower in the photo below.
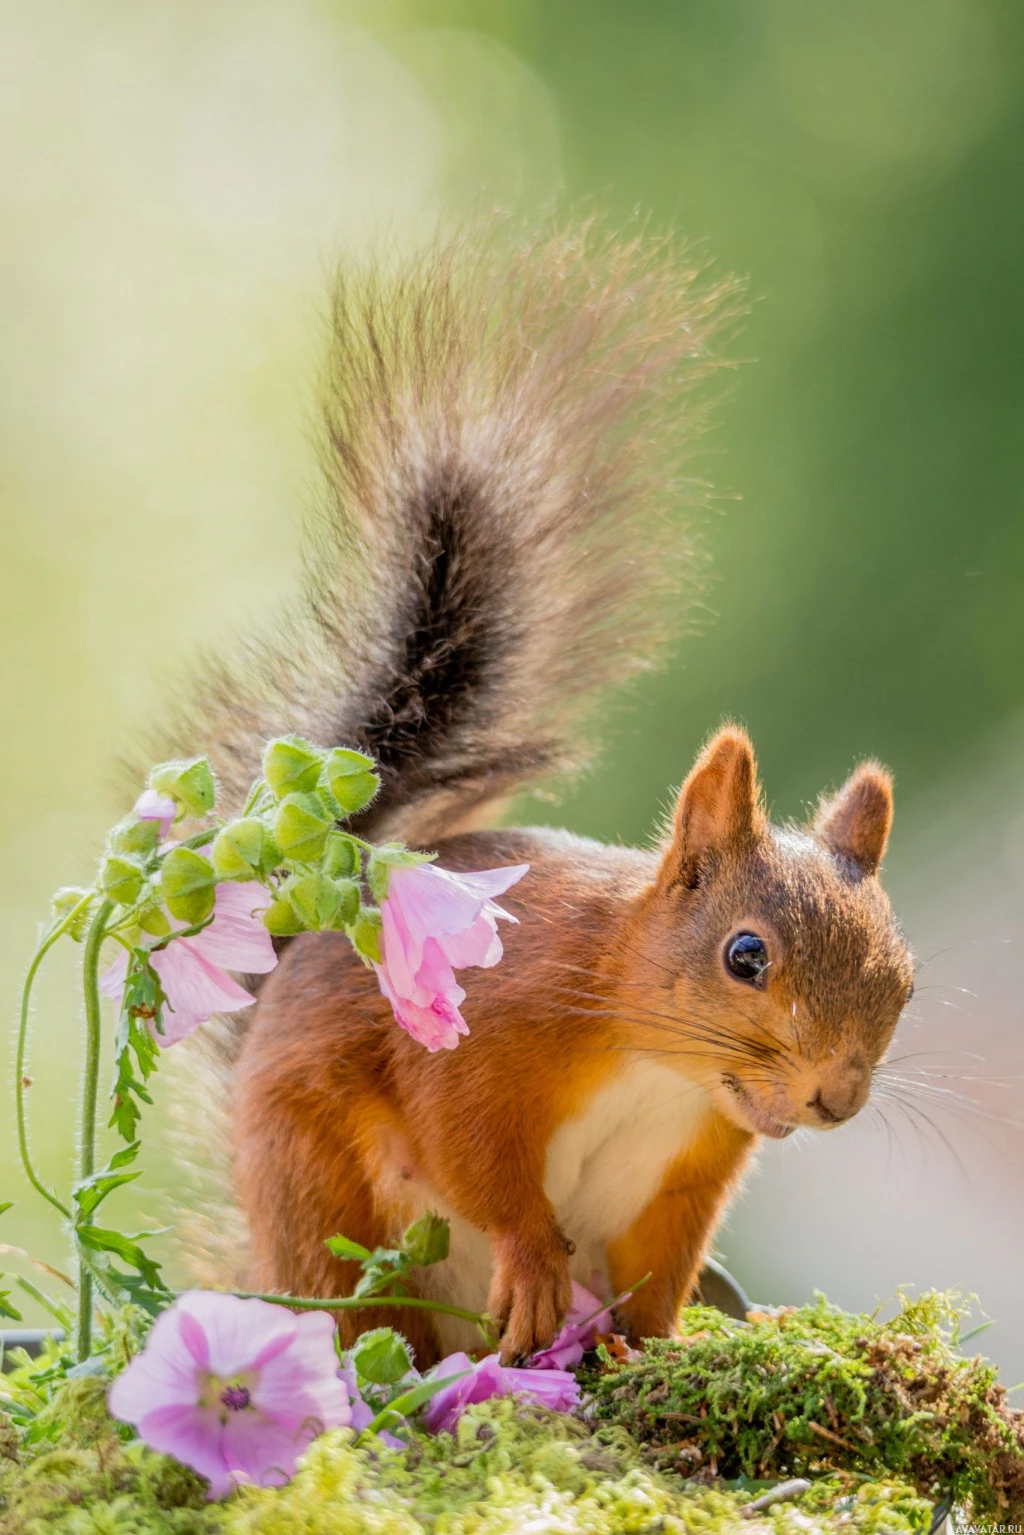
(489, 1378)
(236, 1389)
(579, 1332)
(151, 806)
(435, 922)
(193, 971)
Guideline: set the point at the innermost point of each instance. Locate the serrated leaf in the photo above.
(342, 1247)
(99, 1239)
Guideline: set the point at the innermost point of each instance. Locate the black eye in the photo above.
(746, 957)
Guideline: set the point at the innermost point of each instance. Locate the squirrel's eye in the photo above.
(746, 957)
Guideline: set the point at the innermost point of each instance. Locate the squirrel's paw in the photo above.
(530, 1296)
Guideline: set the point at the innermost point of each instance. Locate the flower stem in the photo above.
(90, 1083)
(363, 1302)
(24, 1019)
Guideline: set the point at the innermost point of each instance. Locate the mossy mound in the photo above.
(811, 1391)
(884, 1418)
(507, 1470)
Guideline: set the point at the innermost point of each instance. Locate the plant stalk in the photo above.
(87, 1122)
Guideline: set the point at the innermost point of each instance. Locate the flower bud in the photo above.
(189, 783)
(426, 1240)
(348, 909)
(153, 920)
(341, 856)
(300, 827)
(350, 778)
(64, 903)
(291, 766)
(382, 1357)
(188, 884)
(121, 879)
(135, 838)
(315, 900)
(238, 849)
(279, 918)
(365, 933)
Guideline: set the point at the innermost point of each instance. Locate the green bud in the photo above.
(188, 884)
(365, 933)
(426, 1240)
(382, 1357)
(136, 838)
(272, 858)
(291, 766)
(189, 783)
(238, 850)
(351, 778)
(315, 900)
(301, 827)
(64, 903)
(121, 879)
(279, 918)
(341, 856)
(348, 907)
(153, 920)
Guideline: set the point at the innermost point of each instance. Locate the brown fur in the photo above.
(495, 551)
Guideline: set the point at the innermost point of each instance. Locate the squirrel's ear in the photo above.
(855, 822)
(719, 806)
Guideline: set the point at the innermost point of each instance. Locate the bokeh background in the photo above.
(176, 181)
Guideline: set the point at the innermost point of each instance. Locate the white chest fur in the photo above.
(602, 1169)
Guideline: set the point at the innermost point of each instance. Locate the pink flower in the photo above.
(556, 1389)
(579, 1332)
(234, 1388)
(193, 971)
(151, 806)
(434, 922)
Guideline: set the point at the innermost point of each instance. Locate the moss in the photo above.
(884, 1417)
(814, 1390)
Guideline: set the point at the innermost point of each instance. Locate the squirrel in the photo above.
(503, 434)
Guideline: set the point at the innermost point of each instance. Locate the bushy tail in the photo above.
(504, 535)
(504, 532)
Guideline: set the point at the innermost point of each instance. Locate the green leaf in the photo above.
(411, 1401)
(188, 884)
(99, 1239)
(7, 1310)
(342, 1247)
(382, 1357)
(91, 1192)
(426, 1240)
(8, 1204)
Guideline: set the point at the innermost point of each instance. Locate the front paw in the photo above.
(529, 1298)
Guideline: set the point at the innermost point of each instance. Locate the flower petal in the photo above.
(195, 989)
(236, 938)
(165, 1373)
(479, 945)
(264, 1452)
(238, 1331)
(192, 1435)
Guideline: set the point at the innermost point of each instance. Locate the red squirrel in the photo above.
(498, 546)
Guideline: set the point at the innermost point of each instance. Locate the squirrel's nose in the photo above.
(832, 1110)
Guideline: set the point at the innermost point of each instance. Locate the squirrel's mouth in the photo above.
(755, 1114)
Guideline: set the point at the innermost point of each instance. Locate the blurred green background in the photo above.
(174, 186)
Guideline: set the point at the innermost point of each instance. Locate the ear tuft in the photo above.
(719, 806)
(855, 822)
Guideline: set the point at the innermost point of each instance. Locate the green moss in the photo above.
(884, 1418)
(815, 1390)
